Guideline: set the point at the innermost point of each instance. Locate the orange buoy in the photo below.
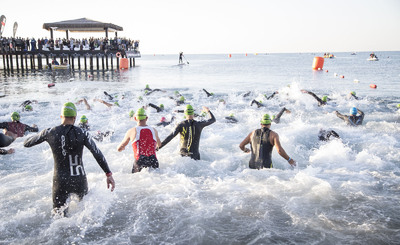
(372, 86)
(341, 76)
(123, 63)
(318, 63)
(230, 55)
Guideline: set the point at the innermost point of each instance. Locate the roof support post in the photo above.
(106, 30)
(67, 34)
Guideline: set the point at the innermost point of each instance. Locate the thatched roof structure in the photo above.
(82, 25)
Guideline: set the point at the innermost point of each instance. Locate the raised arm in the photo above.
(341, 116)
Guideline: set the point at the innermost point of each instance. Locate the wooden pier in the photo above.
(86, 60)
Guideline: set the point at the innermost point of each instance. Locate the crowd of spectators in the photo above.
(31, 44)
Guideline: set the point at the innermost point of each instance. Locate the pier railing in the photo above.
(88, 60)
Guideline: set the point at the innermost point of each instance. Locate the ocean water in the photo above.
(343, 191)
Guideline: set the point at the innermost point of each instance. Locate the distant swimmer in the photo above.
(246, 94)
(144, 140)
(353, 119)
(66, 142)
(258, 103)
(325, 135)
(321, 102)
(148, 90)
(28, 102)
(276, 119)
(208, 93)
(352, 95)
(271, 96)
(190, 131)
(163, 122)
(262, 142)
(158, 108)
(16, 127)
(99, 136)
(180, 101)
(231, 118)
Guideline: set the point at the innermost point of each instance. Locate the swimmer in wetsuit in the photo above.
(262, 142)
(6, 140)
(66, 142)
(321, 102)
(163, 122)
(231, 118)
(353, 119)
(16, 127)
(158, 108)
(190, 131)
(207, 93)
(276, 119)
(258, 103)
(99, 136)
(325, 135)
(144, 140)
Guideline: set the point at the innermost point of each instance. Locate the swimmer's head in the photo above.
(265, 120)
(116, 103)
(325, 98)
(131, 113)
(176, 92)
(84, 119)
(231, 115)
(353, 93)
(189, 110)
(140, 98)
(162, 106)
(353, 111)
(68, 110)
(28, 108)
(141, 114)
(147, 86)
(15, 116)
(182, 99)
(273, 117)
(398, 105)
(163, 119)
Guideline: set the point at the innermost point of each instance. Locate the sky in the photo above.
(223, 26)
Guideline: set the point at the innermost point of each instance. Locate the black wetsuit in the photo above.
(277, 119)
(208, 94)
(190, 131)
(67, 142)
(324, 135)
(352, 120)
(271, 96)
(164, 123)
(320, 101)
(5, 140)
(159, 109)
(261, 149)
(257, 103)
(18, 128)
(150, 91)
(231, 119)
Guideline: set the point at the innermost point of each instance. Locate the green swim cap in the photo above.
(212, 93)
(132, 113)
(265, 120)
(324, 98)
(15, 116)
(260, 101)
(353, 93)
(221, 100)
(146, 91)
(28, 108)
(141, 114)
(398, 105)
(182, 99)
(116, 103)
(273, 117)
(162, 106)
(189, 110)
(68, 110)
(176, 92)
(140, 98)
(147, 86)
(84, 119)
(231, 115)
